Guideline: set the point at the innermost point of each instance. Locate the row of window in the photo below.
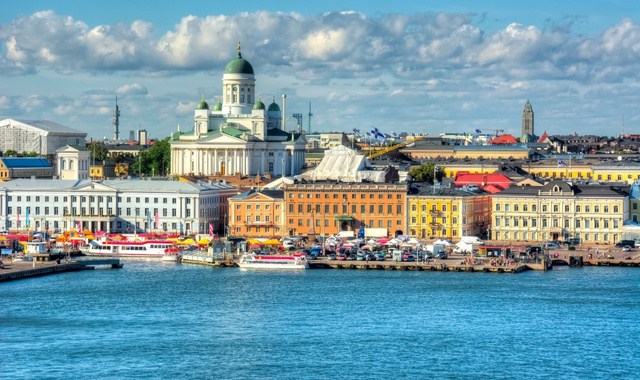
(555, 208)
(328, 209)
(100, 199)
(337, 223)
(557, 223)
(363, 195)
(543, 236)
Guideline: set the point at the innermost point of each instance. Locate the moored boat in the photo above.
(260, 261)
(172, 255)
(146, 248)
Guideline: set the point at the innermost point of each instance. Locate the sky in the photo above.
(421, 67)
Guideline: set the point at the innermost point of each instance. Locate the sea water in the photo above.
(153, 320)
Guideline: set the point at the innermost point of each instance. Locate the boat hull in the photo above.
(272, 266)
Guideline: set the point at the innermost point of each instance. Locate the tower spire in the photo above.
(116, 122)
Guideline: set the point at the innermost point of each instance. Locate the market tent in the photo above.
(203, 241)
(271, 242)
(253, 241)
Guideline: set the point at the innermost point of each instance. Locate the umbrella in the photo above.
(271, 242)
(253, 241)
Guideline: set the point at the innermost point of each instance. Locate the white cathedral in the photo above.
(239, 135)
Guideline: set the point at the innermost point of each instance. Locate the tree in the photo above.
(424, 173)
(98, 151)
(154, 161)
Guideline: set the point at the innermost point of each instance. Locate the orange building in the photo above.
(325, 208)
(257, 214)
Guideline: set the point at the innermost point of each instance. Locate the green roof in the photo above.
(258, 105)
(238, 65)
(203, 105)
(274, 107)
(217, 106)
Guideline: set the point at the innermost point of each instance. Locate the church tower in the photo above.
(238, 86)
(527, 120)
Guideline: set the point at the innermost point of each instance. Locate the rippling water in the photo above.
(151, 320)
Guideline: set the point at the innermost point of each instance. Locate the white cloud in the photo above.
(333, 58)
(132, 89)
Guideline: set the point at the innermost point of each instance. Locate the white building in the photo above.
(114, 205)
(41, 136)
(72, 162)
(239, 134)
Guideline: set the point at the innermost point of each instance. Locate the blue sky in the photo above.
(423, 66)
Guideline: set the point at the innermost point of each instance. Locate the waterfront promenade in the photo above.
(26, 269)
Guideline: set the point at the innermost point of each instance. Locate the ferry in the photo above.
(147, 248)
(260, 261)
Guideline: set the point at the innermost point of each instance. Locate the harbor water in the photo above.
(153, 320)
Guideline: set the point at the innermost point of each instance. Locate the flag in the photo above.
(26, 218)
(148, 220)
(376, 134)
(78, 225)
(157, 219)
(210, 229)
(18, 217)
(560, 164)
(478, 131)
(356, 131)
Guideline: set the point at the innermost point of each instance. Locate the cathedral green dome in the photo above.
(217, 106)
(239, 65)
(202, 105)
(258, 105)
(274, 107)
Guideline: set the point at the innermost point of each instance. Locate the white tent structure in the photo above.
(41, 136)
(344, 165)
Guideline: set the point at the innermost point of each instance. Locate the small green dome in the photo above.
(258, 105)
(202, 105)
(274, 107)
(239, 65)
(217, 106)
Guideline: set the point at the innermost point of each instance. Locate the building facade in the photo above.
(257, 213)
(238, 134)
(558, 211)
(114, 205)
(24, 167)
(327, 208)
(448, 212)
(72, 163)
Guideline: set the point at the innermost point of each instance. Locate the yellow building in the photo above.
(254, 214)
(559, 211)
(448, 213)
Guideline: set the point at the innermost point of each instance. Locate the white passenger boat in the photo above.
(146, 248)
(260, 261)
(172, 255)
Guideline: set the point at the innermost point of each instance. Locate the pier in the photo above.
(25, 269)
(432, 266)
(208, 259)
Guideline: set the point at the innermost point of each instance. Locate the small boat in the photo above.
(260, 261)
(172, 255)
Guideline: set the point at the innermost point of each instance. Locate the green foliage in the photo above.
(13, 153)
(424, 173)
(98, 151)
(154, 161)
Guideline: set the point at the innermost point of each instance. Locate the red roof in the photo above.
(543, 138)
(490, 182)
(503, 140)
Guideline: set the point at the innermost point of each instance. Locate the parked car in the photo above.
(441, 255)
(331, 256)
(626, 248)
(622, 243)
(380, 256)
(551, 245)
